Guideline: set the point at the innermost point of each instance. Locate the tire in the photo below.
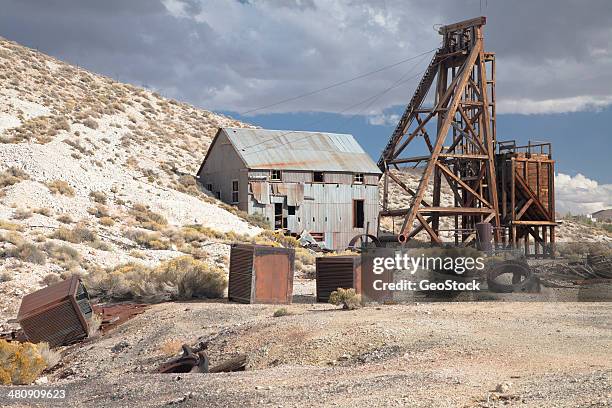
(518, 269)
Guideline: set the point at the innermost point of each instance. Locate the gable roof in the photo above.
(603, 213)
(298, 150)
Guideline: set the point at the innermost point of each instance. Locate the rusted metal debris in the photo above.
(192, 361)
(115, 314)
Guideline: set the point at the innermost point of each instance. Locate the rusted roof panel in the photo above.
(298, 150)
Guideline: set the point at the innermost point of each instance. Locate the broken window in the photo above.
(290, 210)
(358, 214)
(234, 191)
(317, 177)
(358, 178)
(275, 175)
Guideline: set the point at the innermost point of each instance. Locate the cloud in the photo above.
(581, 195)
(561, 105)
(236, 55)
(383, 119)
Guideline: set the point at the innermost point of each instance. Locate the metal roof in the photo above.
(298, 150)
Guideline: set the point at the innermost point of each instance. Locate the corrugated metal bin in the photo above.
(335, 272)
(261, 274)
(56, 314)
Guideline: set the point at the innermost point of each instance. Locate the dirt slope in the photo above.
(127, 144)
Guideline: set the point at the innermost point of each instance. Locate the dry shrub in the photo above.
(107, 221)
(277, 237)
(6, 276)
(281, 312)
(12, 175)
(43, 211)
(13, 237)
(10, 226)
(79, 234)
(348, 298)
(93, 324)
(63, 255)
(150, 240)
(171, 347)
(187, 180)
(99, 211)
(22, 214)
(20, 363)
(51, 357)
(50, 278)
(179, 278)
(27, 252)
(199, 233)
(65, 219)
(305, 262)
(60, 187)
(148, 219)
(98, 196)
(195, 278)
(90, 123)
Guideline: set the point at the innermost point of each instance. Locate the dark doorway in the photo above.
(279, 221)
(358, 214)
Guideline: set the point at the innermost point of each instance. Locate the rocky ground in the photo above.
(486, 354)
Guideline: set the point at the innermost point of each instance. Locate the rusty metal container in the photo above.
(56, 314)
(335, 272)
(261, 274)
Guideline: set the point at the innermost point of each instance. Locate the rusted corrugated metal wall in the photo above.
(335, 272)
(56, 314)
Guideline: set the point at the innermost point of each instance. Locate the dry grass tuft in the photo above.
(22, 214)
(27, 252)
(148, 219)
(60, 187)
(12, 175)
(50, 278)
(98, 196)
(43, 211)
(10, 226)
(107, 221)
(171, 347)
(150, 240)
(65, 219)
(79, 234)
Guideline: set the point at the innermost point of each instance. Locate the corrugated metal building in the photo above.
(323, 183)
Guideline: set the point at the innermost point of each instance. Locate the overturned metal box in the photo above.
(335, 272)
(261, 274)
(56, 314)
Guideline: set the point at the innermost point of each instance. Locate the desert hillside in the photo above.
(95, 172)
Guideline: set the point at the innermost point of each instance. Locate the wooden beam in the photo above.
(428, 228)
(524, 208)
(463, 184)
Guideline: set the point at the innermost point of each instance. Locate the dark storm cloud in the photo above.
(237, 55)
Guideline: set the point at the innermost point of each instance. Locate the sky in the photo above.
(242, 57)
